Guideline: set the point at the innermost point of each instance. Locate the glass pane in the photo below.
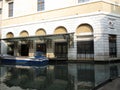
(40, 5)
(112, 46)
(10, 9)
(80, 1)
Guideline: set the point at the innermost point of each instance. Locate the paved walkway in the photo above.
(113, 85)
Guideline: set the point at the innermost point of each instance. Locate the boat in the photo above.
(38, 59)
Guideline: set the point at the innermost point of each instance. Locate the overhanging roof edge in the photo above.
(35, 37)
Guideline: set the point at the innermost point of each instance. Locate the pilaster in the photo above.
(101, 47)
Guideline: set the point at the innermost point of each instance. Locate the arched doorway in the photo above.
(10, 48)
(41, 46)
(24, 49)
(61, 47)
(85, 43)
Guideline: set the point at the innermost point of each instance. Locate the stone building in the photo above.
(62, 29)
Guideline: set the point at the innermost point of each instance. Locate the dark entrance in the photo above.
(24, 49)
(85, 50)
(112, 46)
(61, 50)
(113, 72)
(41, 47)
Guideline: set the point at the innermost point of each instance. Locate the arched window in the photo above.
(84, 28)
(60, 30)
(10, 35)
(40, 32)
(24, 34)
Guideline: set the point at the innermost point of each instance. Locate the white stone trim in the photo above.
(63, 18)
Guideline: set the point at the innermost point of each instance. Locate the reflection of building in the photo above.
(45, 78)
(83, 75)
(73, 29)
(52, 77)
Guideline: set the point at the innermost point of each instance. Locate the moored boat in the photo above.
(38, 59)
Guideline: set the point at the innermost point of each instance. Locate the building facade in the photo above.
(71, 29)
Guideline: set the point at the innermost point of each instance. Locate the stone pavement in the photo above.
(112, 85)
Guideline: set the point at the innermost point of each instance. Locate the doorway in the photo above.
(61, 50)
(41, 47)
(24, 49)
(85, 50)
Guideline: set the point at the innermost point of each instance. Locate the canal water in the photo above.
(63, 76)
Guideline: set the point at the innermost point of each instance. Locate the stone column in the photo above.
(16, 48)
(72, 51)
(101, 47)
(31, 48)
(3, 47)
(50, 49)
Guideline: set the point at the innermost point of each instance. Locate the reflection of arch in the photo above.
(10, 35)
(60, 30)
(24, 34)
(40, 32)
(84, 28)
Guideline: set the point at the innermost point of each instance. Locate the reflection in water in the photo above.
(71, 76)
(82, 75)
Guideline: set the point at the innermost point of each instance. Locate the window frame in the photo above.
(40, 5)
(10, 9)
(0, 10)
(82, 1)
(112, 46)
